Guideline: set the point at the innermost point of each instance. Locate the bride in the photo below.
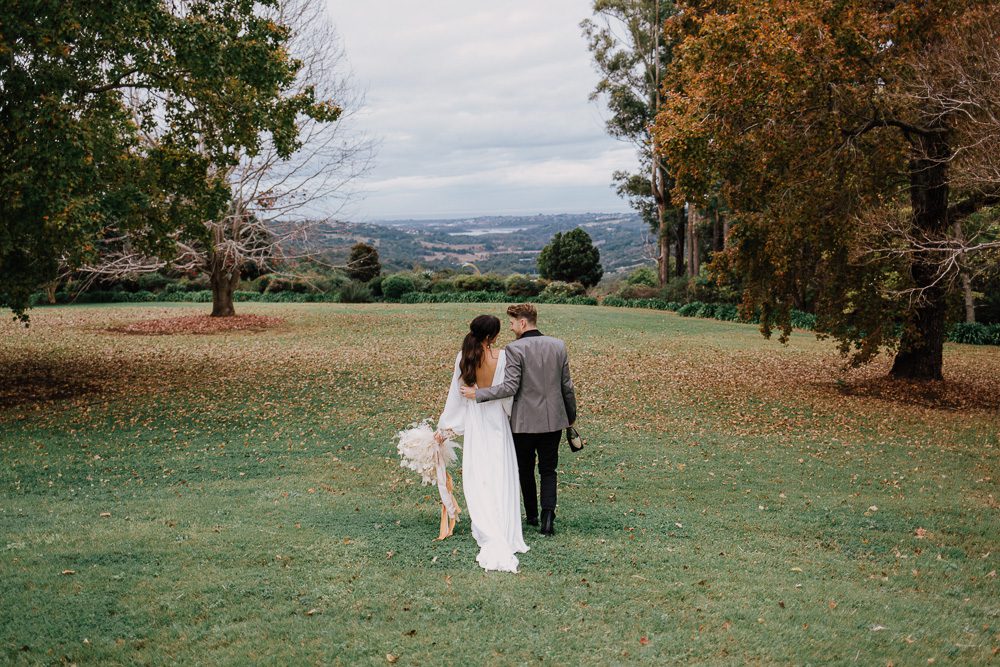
(489, 466)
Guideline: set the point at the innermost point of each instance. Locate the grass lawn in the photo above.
(227, 499)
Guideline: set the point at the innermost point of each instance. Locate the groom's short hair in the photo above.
(525, 310)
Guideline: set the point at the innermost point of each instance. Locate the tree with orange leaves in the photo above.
(849, 137)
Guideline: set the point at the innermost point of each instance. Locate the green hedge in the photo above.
(200, 296)
(968, 333)
(689, 309)
(105, 296)
(655, 304)
(454, 297)
(801, 320)
(727, 312)
(396, 286)
(974, 333)
(492, 297)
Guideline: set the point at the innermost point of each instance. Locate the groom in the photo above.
(537, 376)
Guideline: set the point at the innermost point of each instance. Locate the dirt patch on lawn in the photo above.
(198, 324)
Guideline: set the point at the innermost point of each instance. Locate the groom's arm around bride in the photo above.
(537, 376)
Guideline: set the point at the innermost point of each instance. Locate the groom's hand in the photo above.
(469, 392)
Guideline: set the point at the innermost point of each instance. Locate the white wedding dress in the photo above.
(489, 472)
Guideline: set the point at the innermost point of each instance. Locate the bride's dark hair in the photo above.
(483, 328)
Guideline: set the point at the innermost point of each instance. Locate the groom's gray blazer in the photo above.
(537, 376)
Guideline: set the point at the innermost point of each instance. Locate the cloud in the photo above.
(556, 172)
(479, 105)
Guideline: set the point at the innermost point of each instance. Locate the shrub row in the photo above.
(726, 312)
(200, 296)
(975, 333)
(968, 333)
(493, 297)
(655, 304)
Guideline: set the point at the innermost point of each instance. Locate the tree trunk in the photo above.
(692, 242)
(225, 280)
(50, 291)
(658, 183)
(725, 231)
(680, 232)
(970, 300)
(716, 231)
(664, 258)
(921, 346)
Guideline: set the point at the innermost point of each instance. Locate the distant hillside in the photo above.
(502, 244)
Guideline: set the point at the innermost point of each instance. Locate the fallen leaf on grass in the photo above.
(198, 324)
(68, 572)
(644, 641)
(105, 515)
(312, 611)
(921, 533)
(391, 659)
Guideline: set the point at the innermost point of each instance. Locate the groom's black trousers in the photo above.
(546, 445)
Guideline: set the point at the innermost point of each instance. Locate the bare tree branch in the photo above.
(279, 206)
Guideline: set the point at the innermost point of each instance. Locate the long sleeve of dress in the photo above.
(456, 406)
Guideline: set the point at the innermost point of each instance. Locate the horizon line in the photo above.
(432, 216)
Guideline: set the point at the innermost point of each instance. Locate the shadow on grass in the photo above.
(44, 380)
(939, 394)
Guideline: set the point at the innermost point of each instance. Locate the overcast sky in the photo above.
(481, 108)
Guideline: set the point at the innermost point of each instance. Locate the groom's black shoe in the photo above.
(548, 522)
(532, 521)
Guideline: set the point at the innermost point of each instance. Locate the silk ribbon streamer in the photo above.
(449, 508)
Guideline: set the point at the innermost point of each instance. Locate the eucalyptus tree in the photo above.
(631, 55)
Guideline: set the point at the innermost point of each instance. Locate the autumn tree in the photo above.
(571, 257)
(363, 263)
(625, 38)
(83, 83)
(834, 131)
(278, 201)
